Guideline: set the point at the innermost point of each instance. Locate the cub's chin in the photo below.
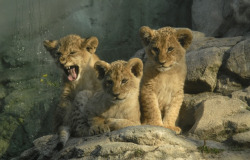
(117, 100)
(163, 69)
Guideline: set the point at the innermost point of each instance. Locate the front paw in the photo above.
(174, 128)
(99, 129)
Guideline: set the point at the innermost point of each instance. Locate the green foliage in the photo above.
(209, 150)
(47, 81)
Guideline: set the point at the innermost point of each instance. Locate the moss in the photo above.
(3, 146)
(208, 150)
(139, 153)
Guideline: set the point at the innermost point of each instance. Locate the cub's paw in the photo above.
(99, 129)
(174, 128)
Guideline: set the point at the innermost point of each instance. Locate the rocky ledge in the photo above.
(140, 142)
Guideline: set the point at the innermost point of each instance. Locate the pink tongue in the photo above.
(72, 74)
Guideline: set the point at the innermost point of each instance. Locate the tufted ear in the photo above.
(136, 67)
(185, 37)
(50, 45)
(101, 68)
(90, 44)
(146, 35)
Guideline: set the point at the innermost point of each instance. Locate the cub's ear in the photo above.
(90, 44)
(101, 68)
(50, 44)
(136, 67)
(185, 37)
(146, 35)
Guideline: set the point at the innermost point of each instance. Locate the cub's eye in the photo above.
(109, 82)
(170, 49)
(156, 50)
(72, 52)
(124, 81)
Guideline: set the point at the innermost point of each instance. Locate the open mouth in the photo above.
(72, 72)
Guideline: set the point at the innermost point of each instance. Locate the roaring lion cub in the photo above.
(164, 75)
(76, 56)
(117, 105)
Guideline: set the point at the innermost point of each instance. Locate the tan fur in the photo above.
(164, 75)
(117, 106)
(73, 50)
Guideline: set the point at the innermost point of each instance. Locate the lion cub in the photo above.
(117, 105)
(76, 56)
(164, 75)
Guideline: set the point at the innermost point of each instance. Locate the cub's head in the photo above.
(72, 53)
(165, 47)
(120, 79)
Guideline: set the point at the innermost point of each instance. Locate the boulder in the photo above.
(137, 142)
(219, 118)
(226, 84)
(243, 95)
(202, 68)
(229, 17)
(242, 138)
(140, 142)
(239, 61)
(190, 103)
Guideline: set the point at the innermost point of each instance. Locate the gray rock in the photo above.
(202, 15)
(190, 103)
(242, 138)
(202, 68)
(200, 42)
(141, 142)
(219, 117)
(239, 60)
(229, 17)
(138, 142)
(226, 84)
(243, 95)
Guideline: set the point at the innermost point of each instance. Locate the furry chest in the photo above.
(115, 111)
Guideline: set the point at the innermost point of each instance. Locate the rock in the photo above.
(200, 42)
(138, 142)
(243, 95)
(141, 142)
(219, 117)
(229, 17)
(190, 103)
(201, 15)
(202, 68)
(226, 84)
(242, 138)
(239, 60)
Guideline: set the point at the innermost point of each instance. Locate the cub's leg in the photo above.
(151, 113)
(97, 126)
(171, 114)
(115, 124)
(64, 133)
(61, 123)
(79, 125)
